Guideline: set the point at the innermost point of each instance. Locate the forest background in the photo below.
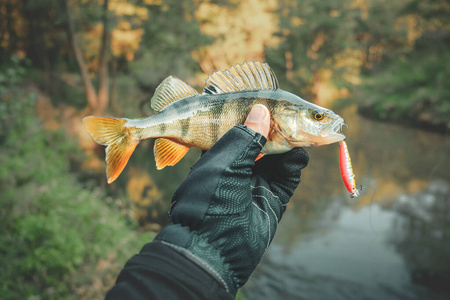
(64, 233)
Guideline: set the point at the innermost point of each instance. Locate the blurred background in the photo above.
(382, 65)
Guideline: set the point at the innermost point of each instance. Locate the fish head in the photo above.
(308, 125)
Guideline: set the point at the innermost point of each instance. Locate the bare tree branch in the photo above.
(87, 82)
(103, 90)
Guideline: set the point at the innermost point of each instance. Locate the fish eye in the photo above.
(317, 115)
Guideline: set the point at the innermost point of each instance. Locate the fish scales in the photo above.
(186, 119)
(218, 119)
(200, 121)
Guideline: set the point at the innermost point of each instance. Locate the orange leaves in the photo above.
(125, 8)
(146, 199)
(126, 35)
(125, 40)
(249, 25)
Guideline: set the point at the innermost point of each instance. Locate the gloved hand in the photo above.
(225, 213)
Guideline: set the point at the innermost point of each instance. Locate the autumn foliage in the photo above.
(63, 60)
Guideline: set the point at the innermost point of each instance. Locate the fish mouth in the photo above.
(329, 135)
(334, 133)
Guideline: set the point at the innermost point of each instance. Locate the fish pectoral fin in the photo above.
(168, 153)
(260, 155)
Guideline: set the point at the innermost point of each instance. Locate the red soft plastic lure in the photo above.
(347, 170)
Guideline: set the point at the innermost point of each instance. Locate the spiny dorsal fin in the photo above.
(168, 153)
(247, 77)
(171, 90)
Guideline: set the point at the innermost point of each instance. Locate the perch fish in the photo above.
(186, 119)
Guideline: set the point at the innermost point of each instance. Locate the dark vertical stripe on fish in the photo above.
(185, 125)
(278, 105)
(162, 128)
(215, 126)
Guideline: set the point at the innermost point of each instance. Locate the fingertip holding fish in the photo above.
(259, 119)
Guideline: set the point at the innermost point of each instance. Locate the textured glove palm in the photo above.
(225, 214)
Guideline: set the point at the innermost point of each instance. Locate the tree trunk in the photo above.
(103, 89)
(11, 45)
(91, 95)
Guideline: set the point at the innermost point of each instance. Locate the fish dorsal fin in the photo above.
(171, 90)
(246, 77)
(168, 153)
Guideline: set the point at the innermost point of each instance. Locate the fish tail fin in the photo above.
(120, 142)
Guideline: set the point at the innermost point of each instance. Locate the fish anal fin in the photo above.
(168, 153)
(170, 90)
(260, 155)
(249, 76)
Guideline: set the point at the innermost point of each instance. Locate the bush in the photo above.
(413, 91)
(50, 226)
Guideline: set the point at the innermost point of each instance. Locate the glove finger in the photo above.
(283, 171)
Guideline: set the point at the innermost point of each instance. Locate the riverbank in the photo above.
(422, 114)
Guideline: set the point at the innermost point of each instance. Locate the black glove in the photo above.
(225, 213)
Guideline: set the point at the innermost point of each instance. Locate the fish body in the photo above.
(186, 119)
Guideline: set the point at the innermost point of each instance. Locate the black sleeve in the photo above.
(160, 272)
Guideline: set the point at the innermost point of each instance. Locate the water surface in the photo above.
(390, 243)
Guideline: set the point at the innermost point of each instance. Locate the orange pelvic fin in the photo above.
(120, 143)
(260, 155)
(168, 153)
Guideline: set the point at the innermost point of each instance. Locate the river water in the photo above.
(393, 242)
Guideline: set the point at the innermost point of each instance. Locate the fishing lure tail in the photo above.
(119, 140)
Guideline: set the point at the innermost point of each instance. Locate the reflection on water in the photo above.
(421, 234)
(391, 243)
